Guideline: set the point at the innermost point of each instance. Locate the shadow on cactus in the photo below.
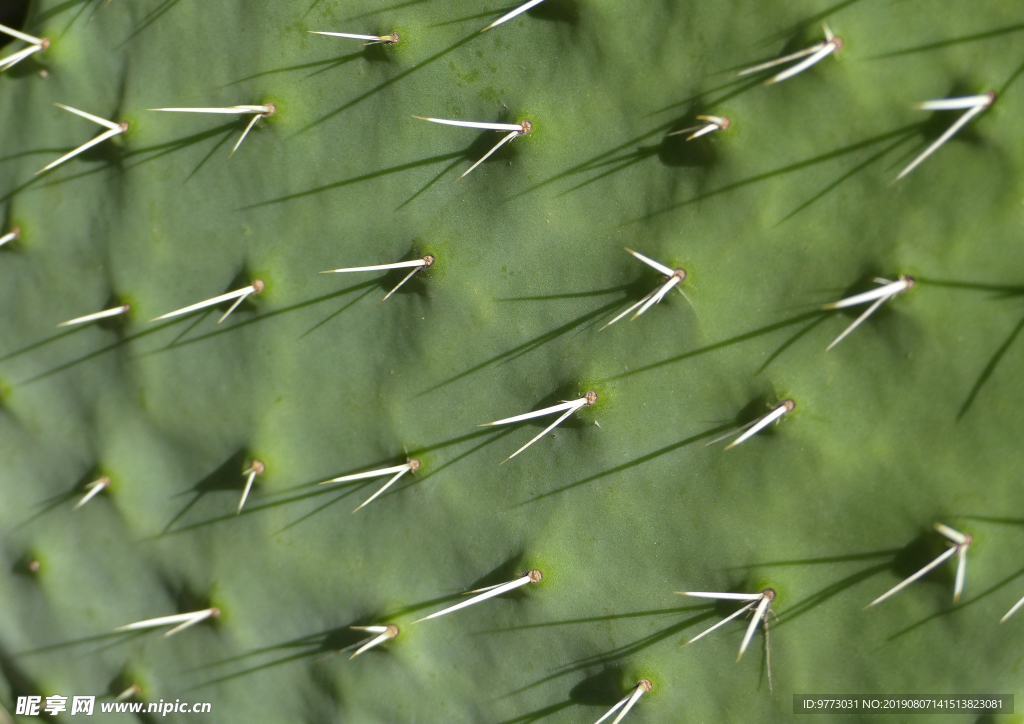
(789, 206)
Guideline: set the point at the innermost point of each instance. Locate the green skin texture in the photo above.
(912, 419)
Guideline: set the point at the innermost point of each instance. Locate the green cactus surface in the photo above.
(913, 419)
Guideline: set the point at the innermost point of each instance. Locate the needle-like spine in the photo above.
(518, 11)
(10, 236)
(489, 592)
(759, 602)
(382, 634)
(812, 55)
(184, 621)
(239, 295)
(397, 471)
(675, 277)
(113, 129)
(258, 111)
(35, 45)
(627, 702)
(95, 316)
(257, 468)
(961, 542)
(709, 125)
(391, 39)
(514, 131)
(415, 264)
(878, 296)
(94, 488)
(567, 408)
(974, 105)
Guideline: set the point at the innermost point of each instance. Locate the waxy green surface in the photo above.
(911, 420)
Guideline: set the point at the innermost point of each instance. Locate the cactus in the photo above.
(788, 205)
